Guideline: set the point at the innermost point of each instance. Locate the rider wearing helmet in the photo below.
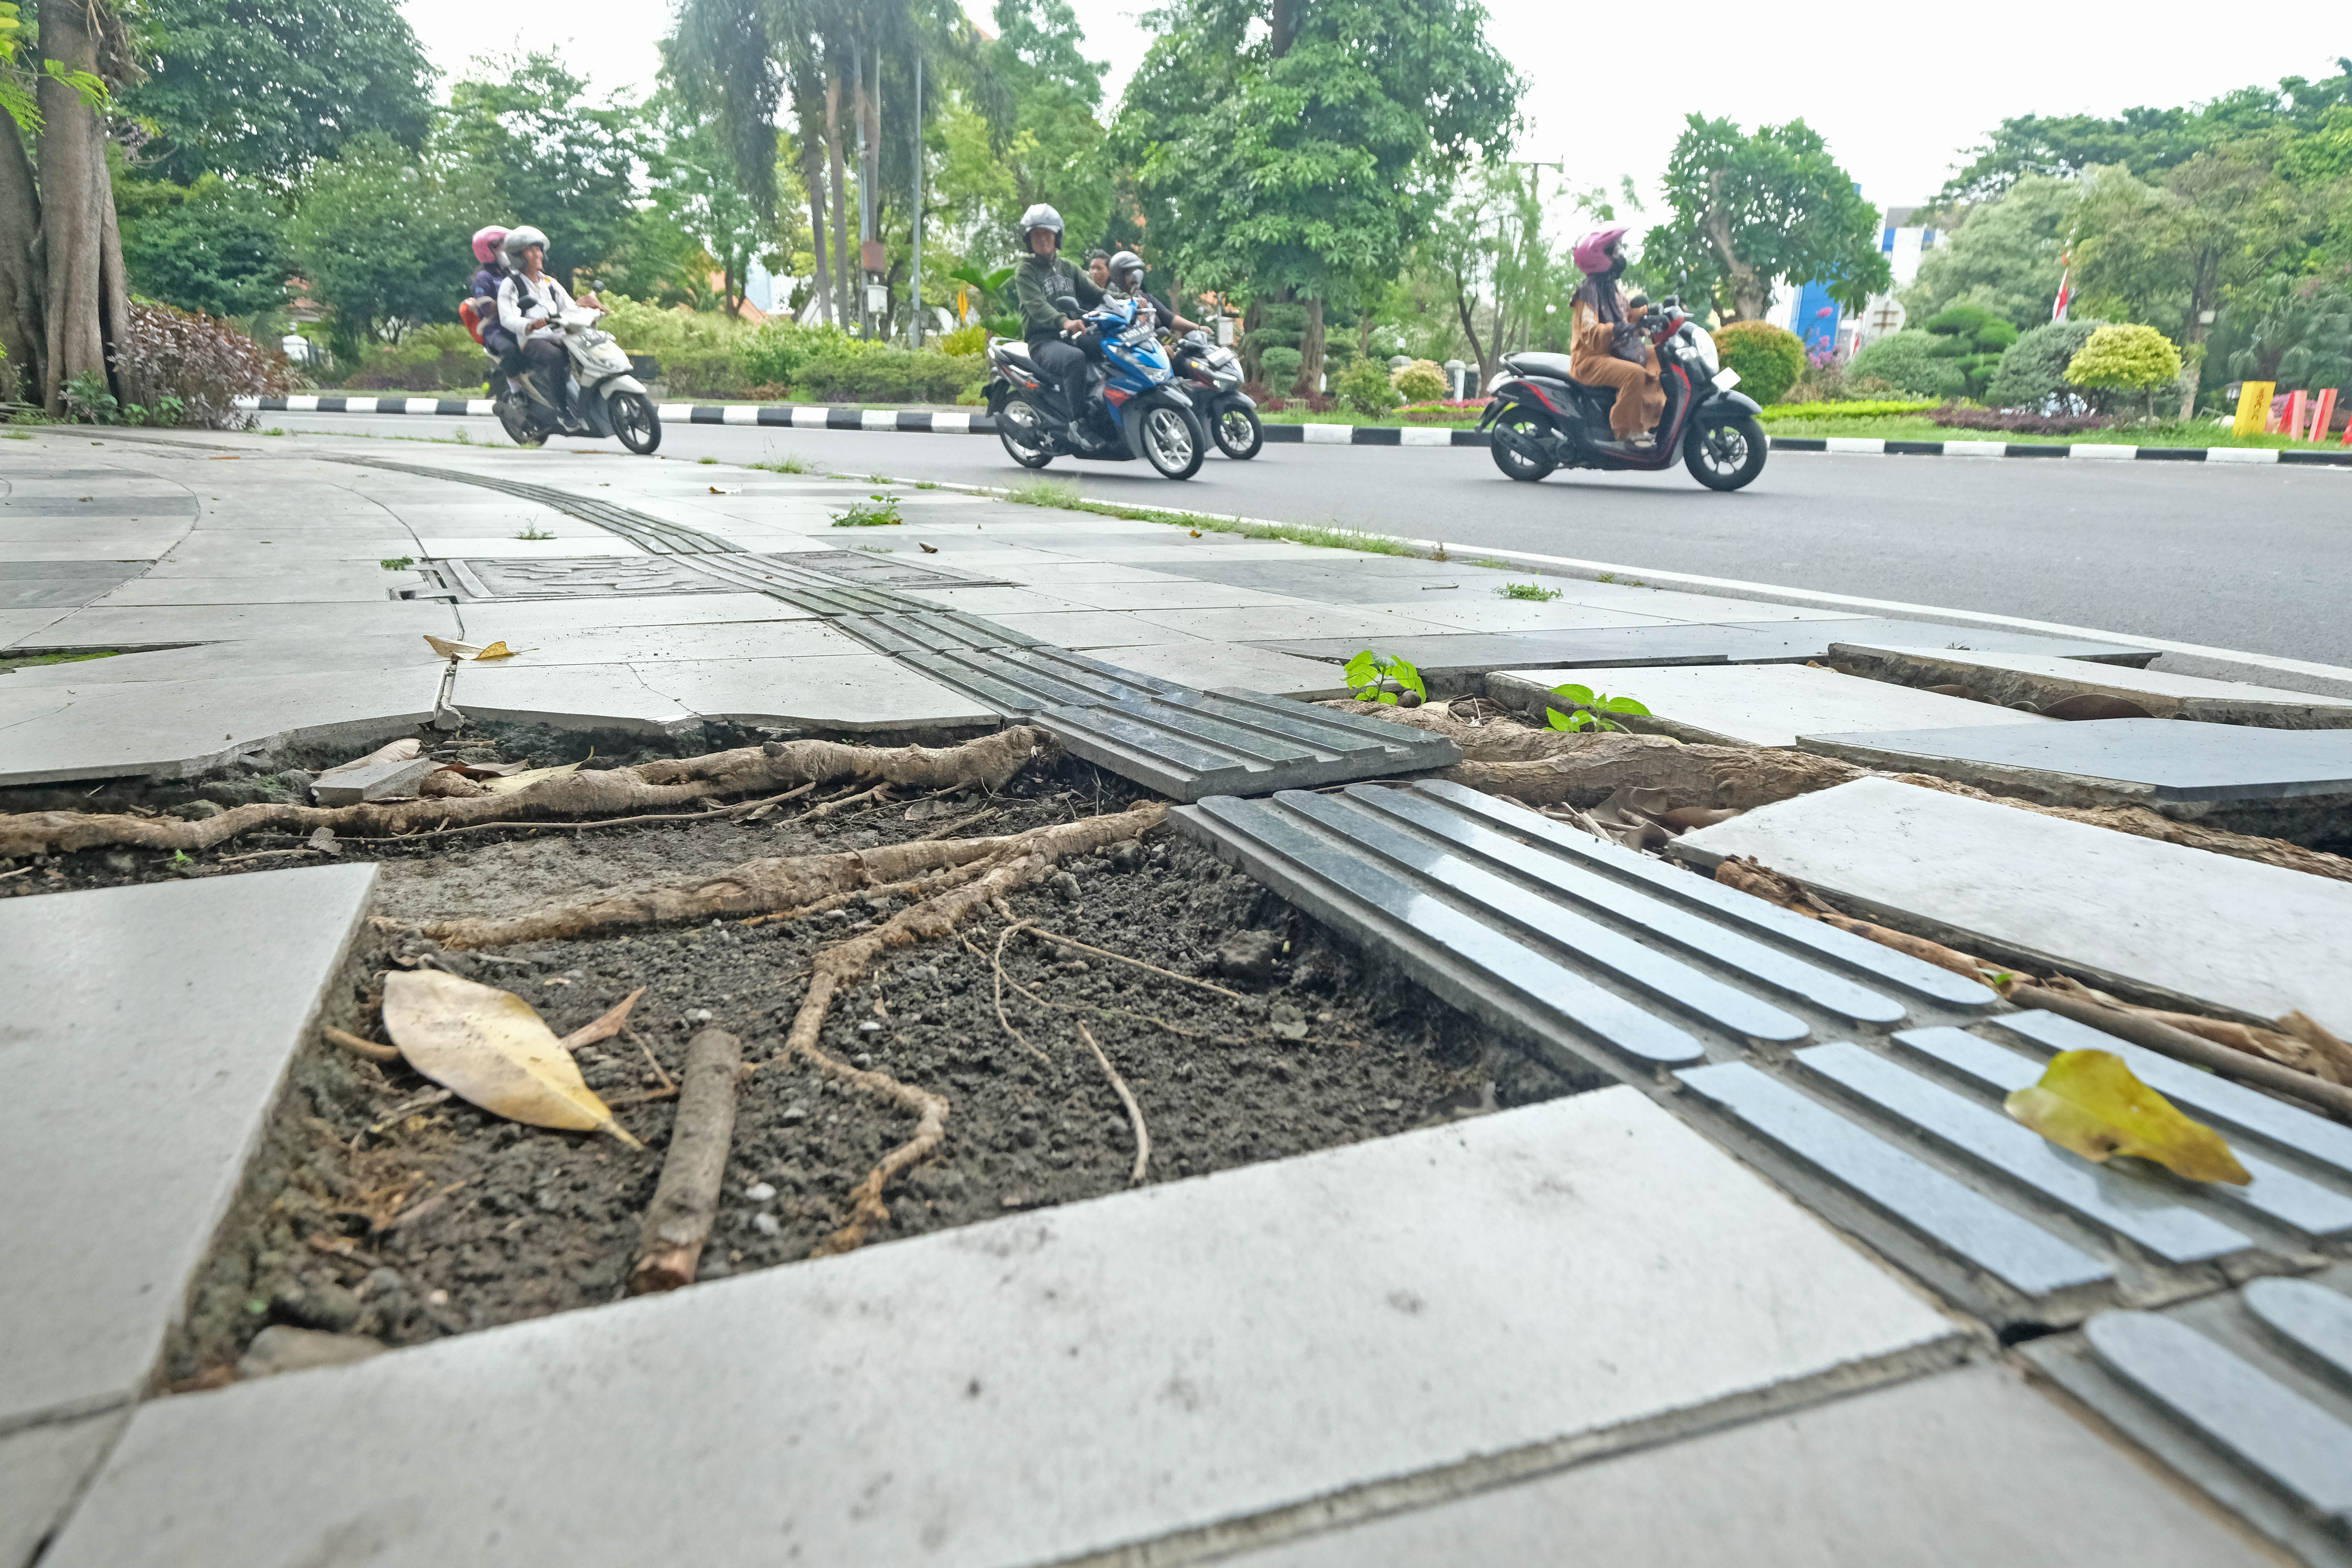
(493, 272)
(1041, 278)
(1126, 273)
(1606, 345)
(531, 306)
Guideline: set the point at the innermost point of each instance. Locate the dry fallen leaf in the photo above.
(490, 1048)
(603, 1029)
(448, 648)
(1195, 532)
(2090, 1102)
(525, 778)
(496, 650)
(928, 549)
(717, 492)
(398, 751)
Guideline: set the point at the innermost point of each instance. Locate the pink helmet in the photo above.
(1591, 252)
(486, 244)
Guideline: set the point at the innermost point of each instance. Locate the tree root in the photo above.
(685, 1202)
(1134, 1112)
(650, 786)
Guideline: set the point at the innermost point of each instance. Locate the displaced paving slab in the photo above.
(1815, 638)
(2275, 783)
(2132, 915)
(156, 1024)
(1189, 744)
(1748, 704)
(41, 1468)
(2041, 680)
(1259, 1339)
(1838, 1485)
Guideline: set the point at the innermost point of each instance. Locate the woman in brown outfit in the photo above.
(1607, 346)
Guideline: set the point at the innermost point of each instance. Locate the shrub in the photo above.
(1863, 408)
(2033, 370)
(1279, 366)
(1973, 338)
(1908, 361)
(856, 371)
(439, 357)
(1767, 359)
(776, 352)
(1422, 381)
(2123, 359)
(165, 355)
(705, 373)
(1364, 386)
(2020, 421)
(963, 342)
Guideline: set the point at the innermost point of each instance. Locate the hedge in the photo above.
(1769, 360)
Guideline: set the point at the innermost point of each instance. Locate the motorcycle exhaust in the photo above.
(1520, 445)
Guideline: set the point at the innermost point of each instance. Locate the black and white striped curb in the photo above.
(963, 422)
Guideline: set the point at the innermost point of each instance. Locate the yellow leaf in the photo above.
(488, 1047)
(2090, 1102)
(496, 650)
(525, 778)
(448, 648)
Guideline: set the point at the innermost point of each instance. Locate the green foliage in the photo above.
(210, 246)
(397, 562)
(191, 369)
(1422, 381)
(1854, 408)
(2124, 359)
(963, 343)
(1535, 592)
(2004, 256)
(1587, 707)
(2034, 369)
(1782, 206)
(1768, 359)
(1043, 126)
(774, 354)
(441, 356)
(546, 157)
(1377, 677)
(874, 512)
(1364, 387)
(261, 90)
(1910, 363)
(1278, 368)
(1972, 338)
(2295, 331)
(1061, 494)
(695, 196)
(382, 238)
(825, 363)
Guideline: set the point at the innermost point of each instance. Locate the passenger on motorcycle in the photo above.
(1607, 346)
(1041, 278)
(530, 308)
(1125, 273)
(495, 337)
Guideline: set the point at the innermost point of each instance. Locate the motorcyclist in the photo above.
(531, 304)
(1125, 274)
(500, 342)
(1041, 278)
(1608, 346)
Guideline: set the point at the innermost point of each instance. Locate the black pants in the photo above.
(549, 365)
(1063, 363)
(501, 345)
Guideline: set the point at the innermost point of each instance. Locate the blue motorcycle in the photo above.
(1134, 405)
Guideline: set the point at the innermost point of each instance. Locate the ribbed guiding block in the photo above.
(1020, 681)
(935, 631)
(1192, 744)
(1941, 1207)
(2314, 1320)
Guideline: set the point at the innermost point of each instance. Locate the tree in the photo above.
(2004, 256)
(2034, 369)
(2293, 332)
(262, 88)
(2125, 359)
(382, 238)
(1042, 104)
(210, 246)
(1296, 146)
(695, 191)
(1750, 209)
(546, 157)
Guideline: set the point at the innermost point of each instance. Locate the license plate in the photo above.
(1726, 379)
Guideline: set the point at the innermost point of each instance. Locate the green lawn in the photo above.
(1461, 419)
(1912, 427)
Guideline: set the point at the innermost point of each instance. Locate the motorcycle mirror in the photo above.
(1068, 304)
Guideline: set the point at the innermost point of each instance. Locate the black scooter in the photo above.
(1540, 419)
(1214, 373)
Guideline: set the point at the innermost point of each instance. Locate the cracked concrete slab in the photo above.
(849, 693)
(42, 1469)
(1751, 704)
(2005, 678)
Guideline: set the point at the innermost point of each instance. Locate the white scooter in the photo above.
(607, 399)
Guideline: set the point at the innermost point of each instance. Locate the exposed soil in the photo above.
(370, 1210)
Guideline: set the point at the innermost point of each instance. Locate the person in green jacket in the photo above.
(1041, 278)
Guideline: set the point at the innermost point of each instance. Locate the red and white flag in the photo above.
(2065, 289)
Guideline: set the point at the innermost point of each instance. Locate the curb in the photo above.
(828, 416)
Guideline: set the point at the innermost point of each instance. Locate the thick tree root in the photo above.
(650, 786)
(1019, 861)
(685, 1202)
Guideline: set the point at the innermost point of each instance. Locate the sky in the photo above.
(1897, 97)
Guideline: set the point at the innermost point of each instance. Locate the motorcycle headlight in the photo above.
(1703, 344)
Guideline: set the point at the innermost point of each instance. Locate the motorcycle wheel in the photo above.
(1023, 431)
(1173, 441)
(517, 425)
(1725, 451)
(1238, 432)
(636, 422)
(1527, 469)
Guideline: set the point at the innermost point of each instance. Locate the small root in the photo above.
(1122, 958)
(996, 961)
(1134, 1112)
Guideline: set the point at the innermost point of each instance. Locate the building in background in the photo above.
(1905, 245)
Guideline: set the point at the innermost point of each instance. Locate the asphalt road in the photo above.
(2249, 558)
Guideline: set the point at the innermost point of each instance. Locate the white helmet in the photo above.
(1040, 216)
(518, 240)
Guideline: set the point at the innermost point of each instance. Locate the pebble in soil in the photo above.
(445, 1219)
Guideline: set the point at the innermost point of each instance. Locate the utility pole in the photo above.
(915, 316)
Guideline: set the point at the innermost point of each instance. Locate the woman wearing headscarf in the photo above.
(1608, 347)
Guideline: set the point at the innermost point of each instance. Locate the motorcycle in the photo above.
(1540, 419)
(1215, 374)
(607, 399)
(1133, 406)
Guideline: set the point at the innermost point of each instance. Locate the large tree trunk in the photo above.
(1311, 349)
(811, 140)
(22, 336)
(2206, 284)
(1750, 295)
(89, 300)
(840, 270)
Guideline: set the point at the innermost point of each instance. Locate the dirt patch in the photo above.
(372, 1211)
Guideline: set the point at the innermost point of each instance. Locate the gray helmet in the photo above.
(1040, 216)
(1126, 271)
(518, 240)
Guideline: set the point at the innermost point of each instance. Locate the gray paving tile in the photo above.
(1455, 664)
(1840, 1485)
(41, 1469)
(2314, 1320)
(1259, 1339)
(2135, 916)
(139, 1082)
(1814, 639)
(2123, 761)
(1945, 1210)
(112, 508)
(2299, 1447)
(852, 692)
(1752, 704)
(2041, 680)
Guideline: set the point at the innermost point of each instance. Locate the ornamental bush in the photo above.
(2032, 372)
(1972, 338)
(1422, 381)
(1279, 366)
(963, 342)
(195, 366)
(1908, 361)
(440, 357)
(1768, 359)
(2121, 361)
(1364, 387)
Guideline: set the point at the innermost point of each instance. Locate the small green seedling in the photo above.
(180, 857)
(787, 465)
(1376, 677)
(1535, 591)
(1587, 707)
(874, 512)
(273, 430)
(925, 485)
(534, 532)
(711, 461)
(397, 562)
